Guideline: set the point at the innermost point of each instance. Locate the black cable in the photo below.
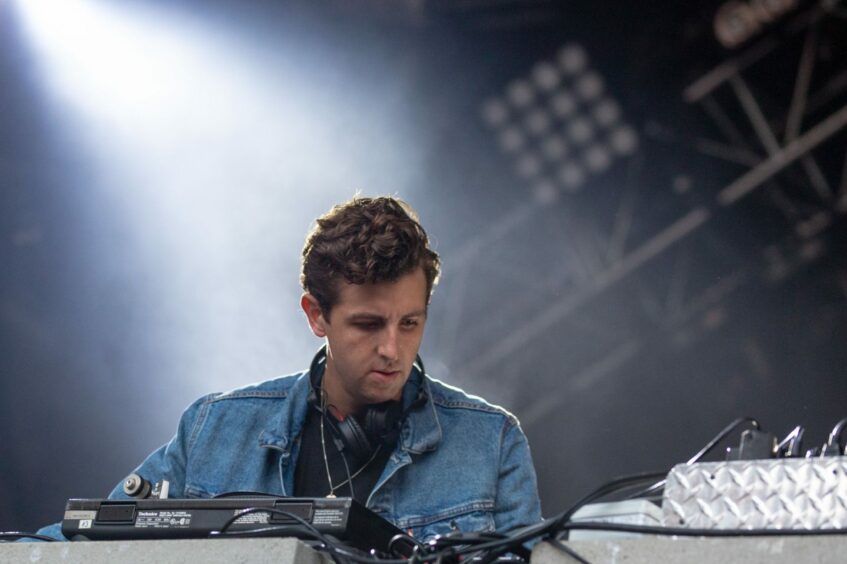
(551, 526)
(472, 539)
(568, 550)
(504, 545)
(703, 451)
(404, 545)
(307, 528)
(722, 435)
(335, 549)
(516, 538)
(457, 538)
(493, 554)
(562, 522)
(281, 530)
(608, 487)
(683, 532)
(17, 535)
(835, 435)
(272, 511)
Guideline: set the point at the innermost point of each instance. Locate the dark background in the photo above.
(161, 162)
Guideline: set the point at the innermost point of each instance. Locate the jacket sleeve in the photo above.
(517, 502)
(168, 462)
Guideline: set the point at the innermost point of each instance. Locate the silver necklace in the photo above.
(332, 487)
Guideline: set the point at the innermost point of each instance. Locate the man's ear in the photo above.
(314, 314)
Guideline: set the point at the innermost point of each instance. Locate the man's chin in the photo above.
(383, 394)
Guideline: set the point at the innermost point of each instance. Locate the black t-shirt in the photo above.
(310, 479)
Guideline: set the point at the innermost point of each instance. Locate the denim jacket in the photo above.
(460, 463)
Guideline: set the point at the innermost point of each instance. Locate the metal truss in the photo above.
(497, 314)
(795, 146)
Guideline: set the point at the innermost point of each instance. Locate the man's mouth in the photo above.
(386, 373)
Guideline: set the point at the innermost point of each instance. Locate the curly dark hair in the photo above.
(365, 240)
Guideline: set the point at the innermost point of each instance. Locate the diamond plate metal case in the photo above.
(808, 493)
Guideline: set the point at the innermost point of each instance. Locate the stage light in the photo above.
(521, 93)
(511, 139)
(538, 121)
(545, 191)
(624, 140)
(554, 147)
(606, 112)
(528, 165)
(546, 76)
(737, 21)
(589, 86)
(580, 130)
(560, 117)
(495, 113)
(563, 104)
(571, 175)
(598, 158)
(573, 59)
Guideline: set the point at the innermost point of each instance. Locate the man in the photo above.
(365, 420)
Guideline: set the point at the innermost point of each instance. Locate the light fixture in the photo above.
(559, 123)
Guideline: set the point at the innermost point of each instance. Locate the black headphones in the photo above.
(380, 423)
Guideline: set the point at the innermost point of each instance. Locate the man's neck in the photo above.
(337, 400)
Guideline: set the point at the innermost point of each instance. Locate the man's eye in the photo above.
(367, 326)
(410, 323)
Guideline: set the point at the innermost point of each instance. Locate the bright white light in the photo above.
(215, 150)
(119, 65)
(520, 93)
(606, 112)
(573, 59)
(554, 147)
(624, 140)
(538, 121)
(589, 86)
(571, 176)
(563, 103)
(598, 158)
(495, 113)
(511, 139)
(546, 76)
(545, 192)
(580, 130)
(528, 165)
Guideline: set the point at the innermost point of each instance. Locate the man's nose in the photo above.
(387, 347)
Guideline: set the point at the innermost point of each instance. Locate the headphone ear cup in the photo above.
(382, 422)
(355, 438)
(374, 421)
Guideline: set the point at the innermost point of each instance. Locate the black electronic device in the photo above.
(137, 519)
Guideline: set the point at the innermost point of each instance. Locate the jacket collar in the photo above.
(421, 430)
(286, 426)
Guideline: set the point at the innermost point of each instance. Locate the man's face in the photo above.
(373, 335)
